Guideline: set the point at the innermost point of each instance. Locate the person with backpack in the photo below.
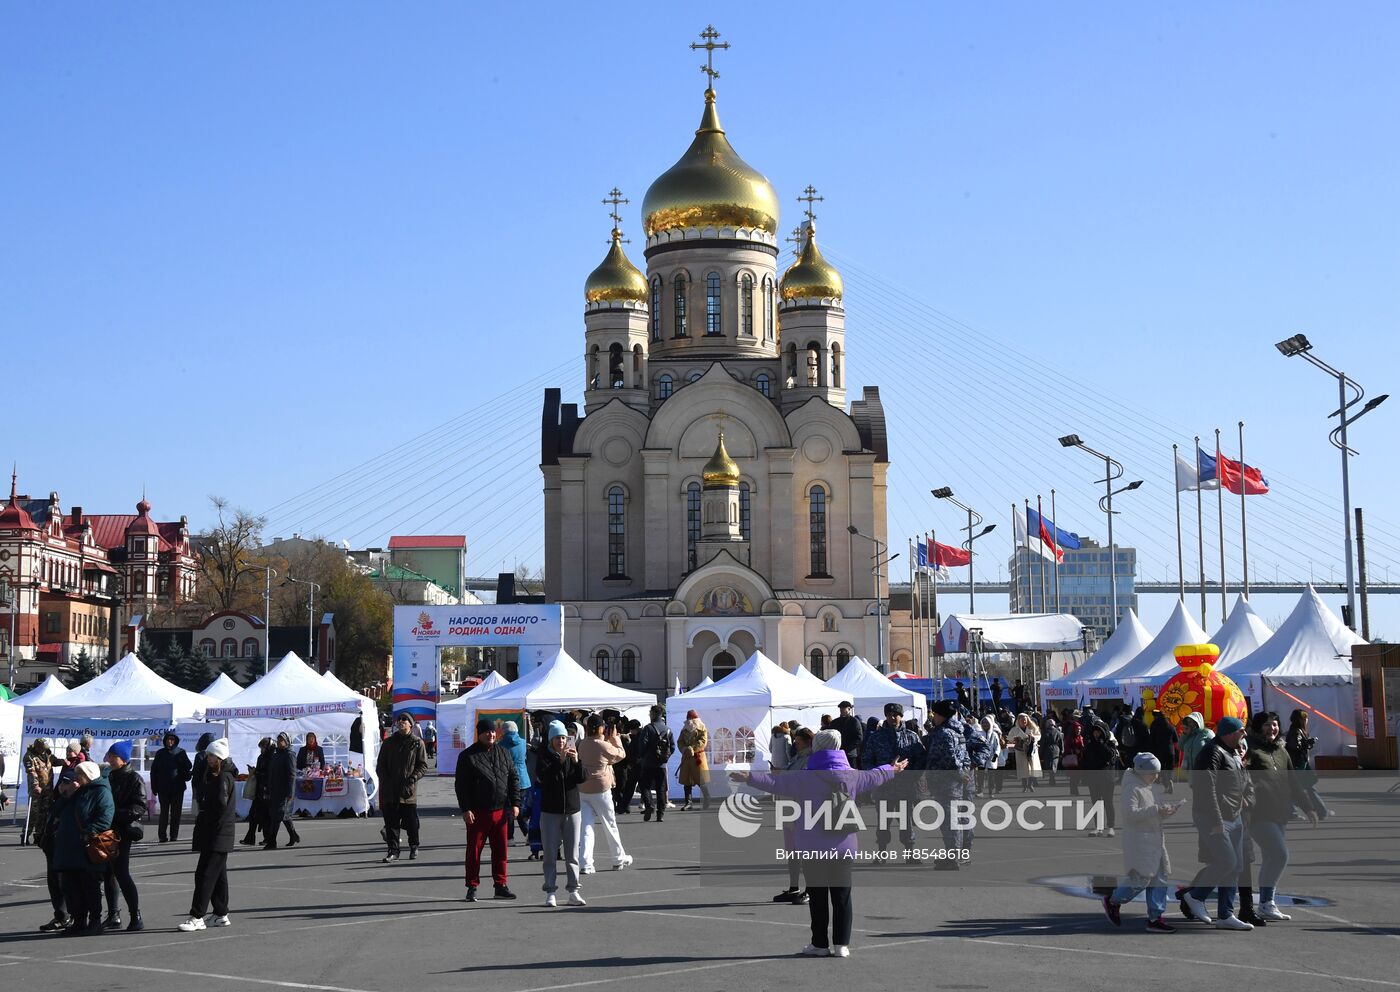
(654, 748)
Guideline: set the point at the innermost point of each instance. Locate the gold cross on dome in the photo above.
(810, 196)
(709, 34)
(795, 238)
(615, 198)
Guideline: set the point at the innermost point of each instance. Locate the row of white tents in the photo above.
(292, 695)
(1305, 664)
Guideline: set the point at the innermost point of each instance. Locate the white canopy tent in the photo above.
(453, 735)
(221, 688)
(1306, 664)
(740, 710)
(870, 691)
(1242, 633)
(1156, 663)
(1012, 632)
(11, 732)
(48, 689)
(704, 683)
(292, 693)
(126, 691)
(805, 674)
(1122, 646)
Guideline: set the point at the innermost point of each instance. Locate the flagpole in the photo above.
(935, 621)
(1244, 524)
(913, 606)
(1055, 516)
(1220, 509)
(1180, 567)
(1020, 567)
(1039, 512)
(1200, 533)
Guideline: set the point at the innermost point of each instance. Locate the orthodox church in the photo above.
(716, 494)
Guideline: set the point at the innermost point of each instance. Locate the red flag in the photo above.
(948, 556)
(1236, 476)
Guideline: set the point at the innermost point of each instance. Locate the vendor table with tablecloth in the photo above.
(317, 796)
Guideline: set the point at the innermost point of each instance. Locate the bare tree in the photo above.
(223, 550)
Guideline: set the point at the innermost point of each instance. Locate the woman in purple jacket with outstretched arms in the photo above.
(829, 778)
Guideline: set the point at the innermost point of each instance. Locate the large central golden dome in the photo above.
(711, 186)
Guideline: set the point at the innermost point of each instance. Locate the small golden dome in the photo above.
(811, 276)
(711, 186)
(721, 471)
(616, 279)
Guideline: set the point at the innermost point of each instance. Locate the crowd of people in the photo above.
(565, 781)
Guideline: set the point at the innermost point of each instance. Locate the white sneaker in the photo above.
(622, 862)
(1197, 907)
(192, 924)
(588, 870)
(550, 901)
(1095, 833)
(1270, 911)
(1233, 922)
(813, 951)
(575, 899)
(840, 950)
(220, 921)
(1109, 832)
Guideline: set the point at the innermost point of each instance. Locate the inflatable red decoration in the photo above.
(1199, 688)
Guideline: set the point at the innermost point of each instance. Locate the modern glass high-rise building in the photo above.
(1084, 580)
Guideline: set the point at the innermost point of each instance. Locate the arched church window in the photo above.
(637, 365)
(767, 308)
(816, 526)
(228, 647)
(250, 648)
(207, 647)
(791, 366)
(816, 662)
(814, 364)
(680, 306)
(629, 666)
(835, 366)
(762, 384)
(664, 385)
(602, 664)
(615, 366)
(744, 517)
(617, 533)
(693, 377)
(746, 305)
(656, 309)
(722, 664)
(692, 521)
(713, 326)
(843, 658)
(593, 368)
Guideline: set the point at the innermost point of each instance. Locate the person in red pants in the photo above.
(488, 794)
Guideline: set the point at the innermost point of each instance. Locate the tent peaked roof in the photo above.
(290, 690)
(1311, 647)
(48, 689)
(761, 682)
(334, 680)
(1240, 635)
(557, 683)
(863, 685)
(221, 688)
(1122, 646)
(806, 675)
(1013, 632)
(128, 690)
(1157, 661)
(493, 680)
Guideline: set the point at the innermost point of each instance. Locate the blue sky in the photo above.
(251, 248)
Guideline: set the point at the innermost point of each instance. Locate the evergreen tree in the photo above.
(227, 667)
(87, 668)
(195, 670)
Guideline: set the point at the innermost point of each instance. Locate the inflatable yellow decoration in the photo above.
(1198, 687)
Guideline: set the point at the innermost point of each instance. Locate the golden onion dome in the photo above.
(616, 279)
(811, 276)
(711, 186)
(721, 471)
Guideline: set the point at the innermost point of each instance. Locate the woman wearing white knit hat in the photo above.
(214, 829)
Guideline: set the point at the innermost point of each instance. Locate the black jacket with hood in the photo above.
(170, 769)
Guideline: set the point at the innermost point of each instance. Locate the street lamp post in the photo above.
(1113, 470)
(267, 610)
(1297, 345)
(881, 563)
(973, 519)
(310, 615)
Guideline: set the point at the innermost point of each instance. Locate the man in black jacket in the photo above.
(654, 748)
(488, 794)
(1222, 792)
(402, 762)
(129, 800)
(170, 770)
(849, 728)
